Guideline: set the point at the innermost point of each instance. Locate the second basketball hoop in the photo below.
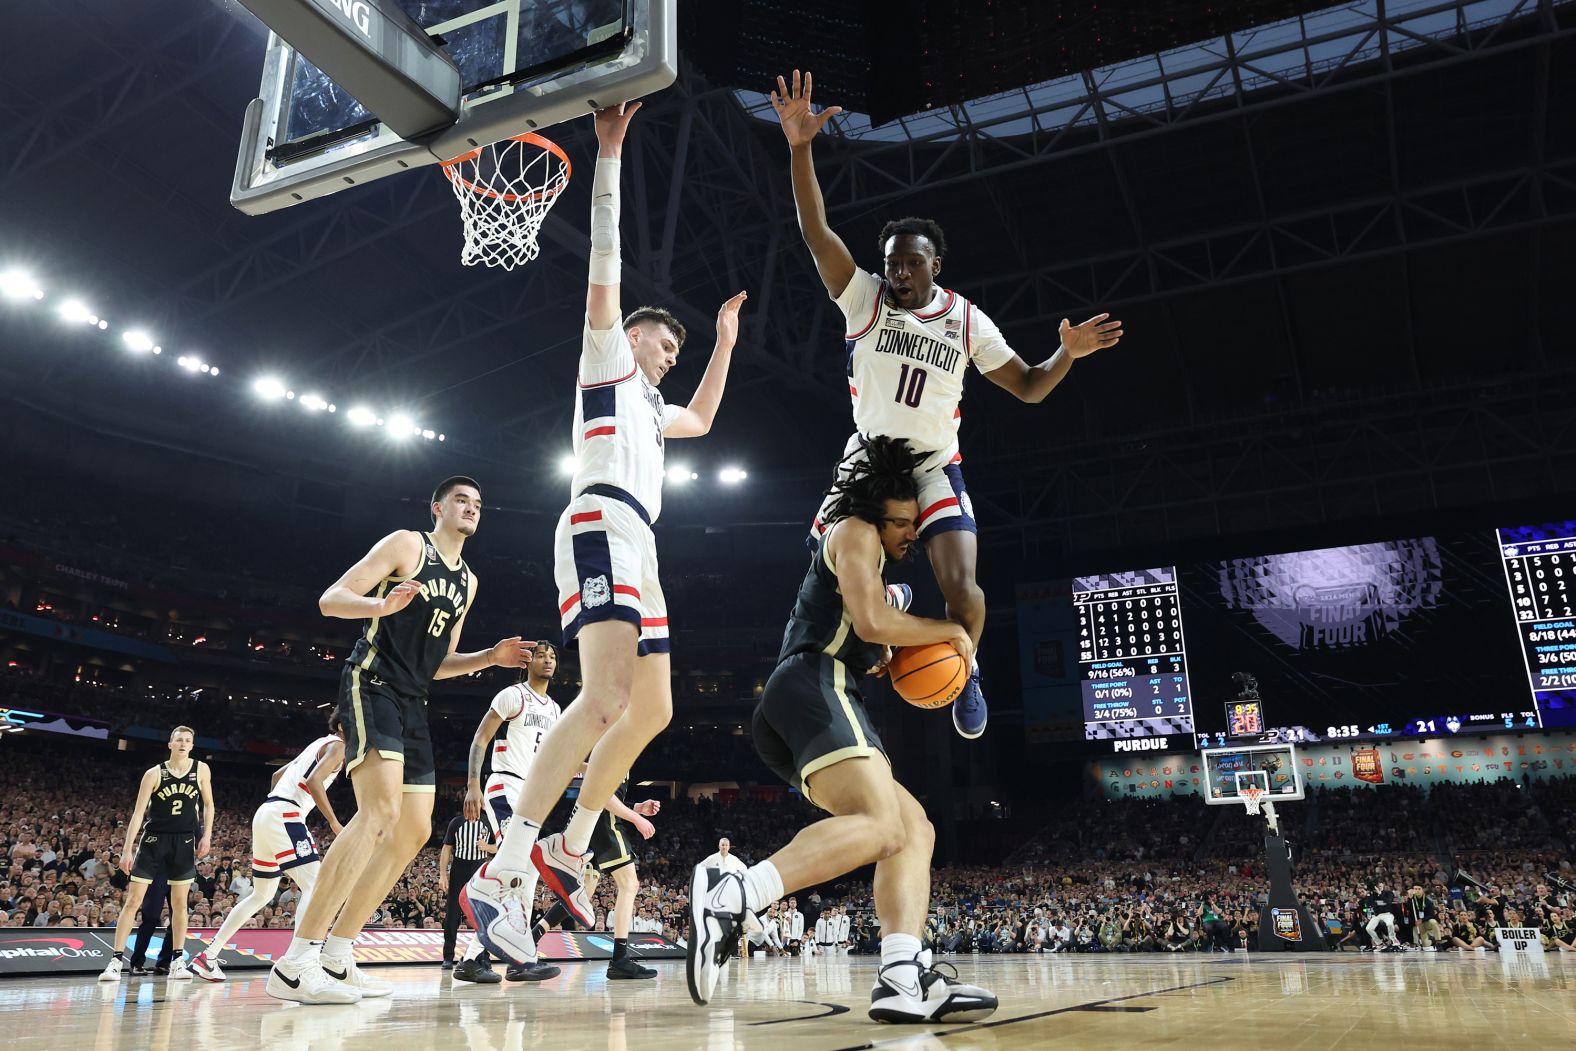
(505, 191)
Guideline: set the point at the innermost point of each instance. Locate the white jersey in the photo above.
(729, 862)
(292, 779)
(619, 421)
(794, 926)
(841, 933)
(528, 716)
(906, 367)
(823, 930)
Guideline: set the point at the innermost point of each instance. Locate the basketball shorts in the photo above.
(609, 846)
(944, 503)
(498, 798)
(174, 854)
(395, 724)
(280, 839)
(605, 567)
(811, 716)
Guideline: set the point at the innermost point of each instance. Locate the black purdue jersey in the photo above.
(404, 650)
(820, 622)
(177, 803)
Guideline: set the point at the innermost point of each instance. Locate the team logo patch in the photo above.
(595, 592)
(966, 504)
(303, 848)
(1286, 925)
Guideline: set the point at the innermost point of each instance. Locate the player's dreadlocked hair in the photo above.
(926, 228)
(864, 485)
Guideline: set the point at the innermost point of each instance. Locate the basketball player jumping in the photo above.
(529, 713)
(179, 792)
(909, 345)
(605, 566)
(281, 843)
(811, 728)
(420, 593)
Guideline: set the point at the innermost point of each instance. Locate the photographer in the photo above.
(1422, 919)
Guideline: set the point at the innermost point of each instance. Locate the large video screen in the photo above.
(1417, 636)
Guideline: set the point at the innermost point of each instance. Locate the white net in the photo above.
(505, 190)
(1251, 798)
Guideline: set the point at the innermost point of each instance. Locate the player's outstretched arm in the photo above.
(513, 652)
(696, 418)
(856, 551)
(396, 555)
(800, 125)
(619, 809)
(1032, 384)
(602, 306)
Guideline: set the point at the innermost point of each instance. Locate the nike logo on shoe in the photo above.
(338, 976)
(294, 983)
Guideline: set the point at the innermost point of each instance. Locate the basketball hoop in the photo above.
(1251, 795)
(505, 190)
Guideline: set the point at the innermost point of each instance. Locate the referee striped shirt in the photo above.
(467, 837)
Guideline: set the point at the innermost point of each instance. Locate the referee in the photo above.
(466, 844)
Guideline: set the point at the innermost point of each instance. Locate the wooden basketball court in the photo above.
(1283, 1001)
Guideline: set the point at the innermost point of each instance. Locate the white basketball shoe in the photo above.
(305, 982)
(564, 874)
(498, 904)
(179, 971)
(346, 972)
(716, 914)
(207, 969)
(111, 971)
(916, 991)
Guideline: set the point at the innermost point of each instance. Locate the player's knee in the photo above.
(890, 840)
(382, 817)
(921, 833)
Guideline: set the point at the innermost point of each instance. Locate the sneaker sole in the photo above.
(480, 925)
(549, 876)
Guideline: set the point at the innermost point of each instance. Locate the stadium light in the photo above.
(678, 475)
(568, 464)
(361, 416)
(400, 426)
(137, 340)
(268, 388)
(313, 402)
(14, 284)
(73, 312)
(732, 475)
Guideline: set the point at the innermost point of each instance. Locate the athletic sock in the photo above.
(898, 948)
(120, 954)
(540, 930)
(763, 884)
(476, 949)
(620, 949)
(577, 835)
(337, 948)
(514, 853)
(301, 950)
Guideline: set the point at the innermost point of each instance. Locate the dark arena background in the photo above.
(1309, 526)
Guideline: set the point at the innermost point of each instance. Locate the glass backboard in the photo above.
(525, 65)
(1272, 767)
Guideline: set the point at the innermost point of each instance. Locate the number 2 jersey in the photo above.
(906, 367)
(527, 716)
(405, 649)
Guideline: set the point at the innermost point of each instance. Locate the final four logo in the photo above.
(1285, 924)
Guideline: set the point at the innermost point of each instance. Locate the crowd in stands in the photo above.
(1121, 876)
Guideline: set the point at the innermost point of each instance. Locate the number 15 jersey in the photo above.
(906, 367)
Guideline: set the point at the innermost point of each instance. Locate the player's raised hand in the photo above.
(647, 807)
(728, 321)
(613, 121)
(399, 596)
(512, 652)
(800, 122)
(1095, 334)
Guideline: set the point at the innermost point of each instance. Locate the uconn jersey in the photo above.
(280, 838)
(527, 717)
(905, 376)
(604, 556)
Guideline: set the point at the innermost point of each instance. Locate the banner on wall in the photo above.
(1368, 765)
(86, 950)
(1450, 760)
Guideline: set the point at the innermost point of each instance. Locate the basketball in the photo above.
(928, 676)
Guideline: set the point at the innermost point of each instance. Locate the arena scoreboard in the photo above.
(1132, 659)
(1245, 719)
(1540, 572)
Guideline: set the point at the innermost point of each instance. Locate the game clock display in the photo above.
(1132, 658)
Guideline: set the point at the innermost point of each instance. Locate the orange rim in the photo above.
(530, 138)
